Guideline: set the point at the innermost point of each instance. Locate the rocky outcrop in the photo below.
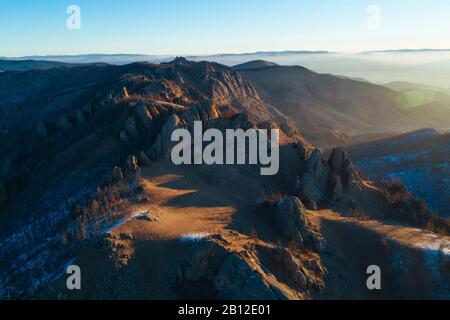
(203, 263)
(130, 128)
(292, 223)
(207, 112)
(230, 276)
(236, 280)
(125, 95)
(302, 274)
(117, 173)
(144, 116)
(327, 181)
(163, 144)
(132, 164)
(338, 190)
(143, 159)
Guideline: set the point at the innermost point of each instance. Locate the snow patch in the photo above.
(436, 247)
(124, 220)
(194, 236)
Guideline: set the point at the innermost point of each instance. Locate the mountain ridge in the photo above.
(95, 168)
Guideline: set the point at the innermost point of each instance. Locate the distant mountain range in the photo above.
(24, 65)
(408, 50)
(431, 66)
(94, 58)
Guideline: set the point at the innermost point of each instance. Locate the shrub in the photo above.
(411, 209)
(397, 191)
(109, 204)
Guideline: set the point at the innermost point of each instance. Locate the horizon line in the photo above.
(405, 50)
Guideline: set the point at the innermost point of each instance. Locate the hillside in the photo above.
(25, 65)
(332, 110)
(419, 159)
(254, 65)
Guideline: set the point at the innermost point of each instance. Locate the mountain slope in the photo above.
(331, 110)
(419, 159)
(254, 65)
(25, 65)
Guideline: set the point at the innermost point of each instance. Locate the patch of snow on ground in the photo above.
(194, 236)
(436, 246)
(435, 250)
(124, 220)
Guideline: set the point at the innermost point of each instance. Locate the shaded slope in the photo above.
(419, 159)
(331, 110)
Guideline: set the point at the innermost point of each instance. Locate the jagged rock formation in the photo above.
(291, 221)
(229, 274)
(117, 173)
(333, 179)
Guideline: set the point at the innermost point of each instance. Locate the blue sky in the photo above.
(29, 27)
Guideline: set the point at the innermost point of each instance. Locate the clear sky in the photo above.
(32, 27)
